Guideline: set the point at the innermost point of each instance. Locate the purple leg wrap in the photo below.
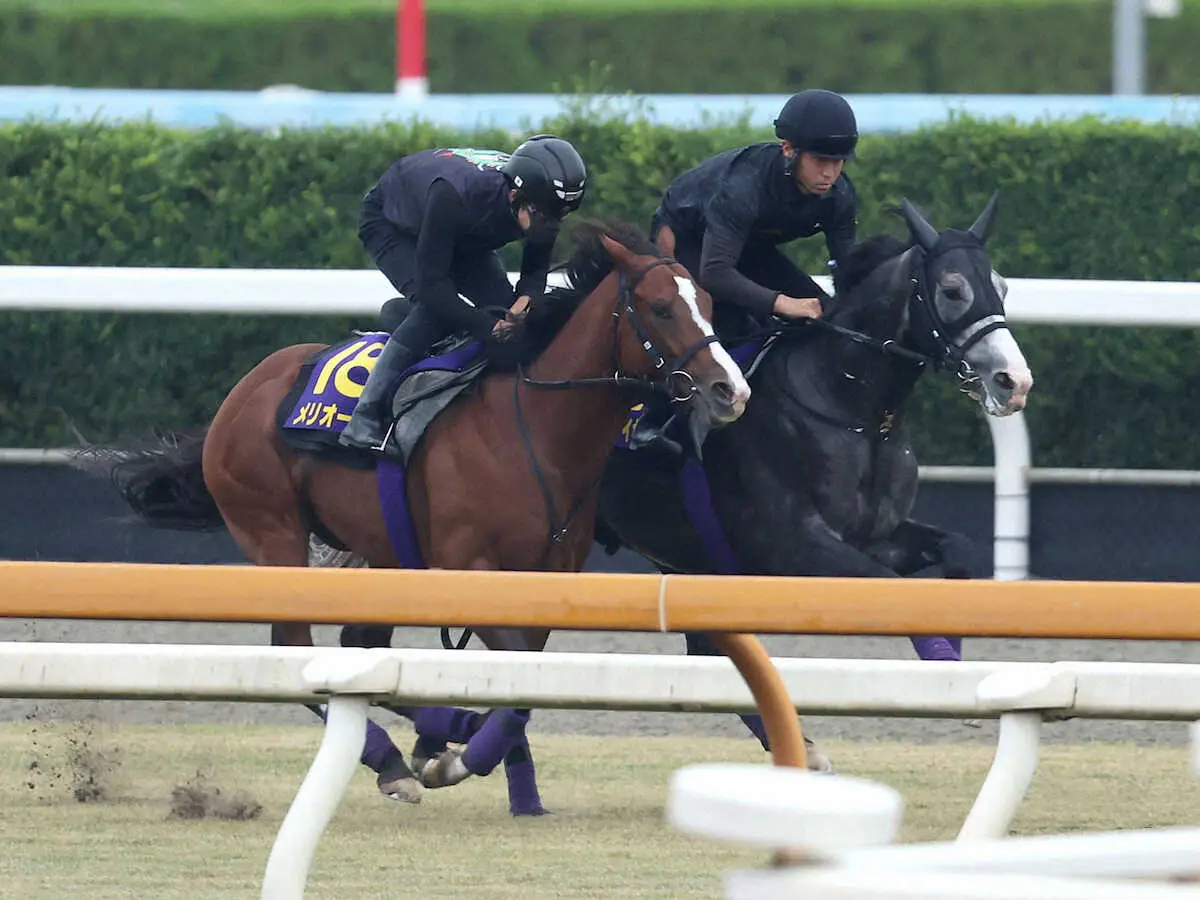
(938, 648)
(757, 727)
(503, 729)
(523, 797)
(378, 749)
(442, 724)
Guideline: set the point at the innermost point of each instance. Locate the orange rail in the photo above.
(602, 601)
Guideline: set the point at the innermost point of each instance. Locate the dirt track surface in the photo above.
(607, 723)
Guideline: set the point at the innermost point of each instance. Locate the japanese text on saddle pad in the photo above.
(336, 383)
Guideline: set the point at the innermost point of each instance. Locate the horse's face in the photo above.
(666, 331)
(967, 299)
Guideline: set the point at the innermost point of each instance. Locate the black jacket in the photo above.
(743, 197)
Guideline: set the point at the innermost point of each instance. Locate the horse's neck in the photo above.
(877, 306)
(862, 379)
(573, 429)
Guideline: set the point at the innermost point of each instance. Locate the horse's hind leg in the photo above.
(393, 776)
(258, 501)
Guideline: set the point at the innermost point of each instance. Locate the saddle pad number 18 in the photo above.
(337, 381)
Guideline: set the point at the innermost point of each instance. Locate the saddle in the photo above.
(322, 399)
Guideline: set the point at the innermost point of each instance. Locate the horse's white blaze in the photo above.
(741, 389)
(1000, 283)
(999, 353)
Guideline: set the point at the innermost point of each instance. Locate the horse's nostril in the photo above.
(723, 391)
(1004, 380)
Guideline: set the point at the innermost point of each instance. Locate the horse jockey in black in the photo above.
(433, 223)
(725, 218)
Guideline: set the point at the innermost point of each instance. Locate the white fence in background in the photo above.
(363, 291)
(1021, 695)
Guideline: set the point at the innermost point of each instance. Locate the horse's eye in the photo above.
(662, 310)
(954, 294)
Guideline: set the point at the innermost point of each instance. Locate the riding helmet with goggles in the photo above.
(819, 122)
(548, 174)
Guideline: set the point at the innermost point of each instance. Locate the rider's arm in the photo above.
(729, 218)
(443, 220)
(535, 267)
(840, 232)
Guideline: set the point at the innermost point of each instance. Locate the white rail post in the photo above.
(1025, 694)
(352, 679)
(318, 798)
(1013, 459)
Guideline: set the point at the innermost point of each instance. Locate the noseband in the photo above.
(679, 383)
(949, 350)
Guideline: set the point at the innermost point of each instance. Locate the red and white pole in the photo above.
(411, 78)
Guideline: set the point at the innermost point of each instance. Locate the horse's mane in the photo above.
(588, 265)
(867, 256)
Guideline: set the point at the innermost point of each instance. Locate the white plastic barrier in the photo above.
(349, 680)
(830, 834)
(362, 292)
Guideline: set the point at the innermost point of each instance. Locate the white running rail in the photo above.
(349, 680)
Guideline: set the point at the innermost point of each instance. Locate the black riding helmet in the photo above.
(549, 174)
(819, 122)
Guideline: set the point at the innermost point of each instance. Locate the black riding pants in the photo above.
(479, 276)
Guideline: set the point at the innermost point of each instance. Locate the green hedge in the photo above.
(1042, 47)
(1082, 200)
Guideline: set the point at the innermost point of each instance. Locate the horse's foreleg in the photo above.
(501, 733)
(393, 776)
(699, 643)
(435, 725)
(917, 550)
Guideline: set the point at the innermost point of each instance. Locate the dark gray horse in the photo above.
(818, 478)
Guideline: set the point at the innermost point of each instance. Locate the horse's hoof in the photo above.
(402, 790)
(422, 754)
(817, 760)
(540, 811)
(398, 782)
(445, 771)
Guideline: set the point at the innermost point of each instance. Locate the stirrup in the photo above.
(387, 435)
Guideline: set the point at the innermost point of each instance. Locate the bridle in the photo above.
(940, 348)
(949, 349)
(626, 309)
(669, 378)
(677, 383)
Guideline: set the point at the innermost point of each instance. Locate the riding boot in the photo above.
(371, 419)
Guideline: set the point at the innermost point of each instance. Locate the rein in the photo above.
(558, 531)
(671, 379)
(948, 353)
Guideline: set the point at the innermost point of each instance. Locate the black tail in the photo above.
(161, 481)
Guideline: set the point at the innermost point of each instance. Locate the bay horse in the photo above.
(818, 478)
(506, 477)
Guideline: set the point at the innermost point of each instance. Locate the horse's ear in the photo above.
(621, 255)
(665, 242)
(983, 225)
(923, 233)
